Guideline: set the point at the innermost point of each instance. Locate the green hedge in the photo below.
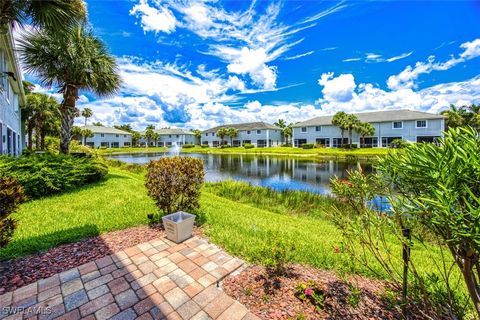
(248, 145)
(188, 146)
(308, 146)
(43, 175)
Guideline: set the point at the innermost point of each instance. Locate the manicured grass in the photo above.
(238, 221)
(317, 152)
(116, 203)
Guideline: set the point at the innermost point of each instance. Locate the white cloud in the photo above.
(408, 77)
(339, 89)
(247, 41)
(400, 56)
(351, 59)
(343, 94)
(158, 19)
(299, 55)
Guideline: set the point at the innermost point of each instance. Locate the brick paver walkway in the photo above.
(154, 280)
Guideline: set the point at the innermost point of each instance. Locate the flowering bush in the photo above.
(310, 292)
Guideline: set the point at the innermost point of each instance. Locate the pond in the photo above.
(277, 172)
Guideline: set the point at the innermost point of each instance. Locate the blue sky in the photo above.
(196, 64)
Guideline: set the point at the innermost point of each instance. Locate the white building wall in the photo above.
(110, 140)
(11, 140)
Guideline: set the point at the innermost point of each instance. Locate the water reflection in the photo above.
(264, 170)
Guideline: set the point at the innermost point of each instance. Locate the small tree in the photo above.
(340, 120)
(439, 186)
(86, 113)
(149, 135)
(364, 129)
(86, 133)
(11, 195)
(155, 137)
(221, 133)
(174, 183)
(136, 136)
(232, 133)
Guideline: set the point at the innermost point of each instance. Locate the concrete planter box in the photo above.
(178, 226)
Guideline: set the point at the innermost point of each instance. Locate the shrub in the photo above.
(398, 144)
(286, 145)
(276, 253)
(204, 145)
(439, 188)
(188, 146)
(308, 146)
(174, 183)
(11, 195)
(311, 292)
(248, 146)
(347, 146)
(225, 146)
(42, 175)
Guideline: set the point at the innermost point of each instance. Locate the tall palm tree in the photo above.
(48, 14)
(74, 60)
(364, 129)
(87, 113)
(41, 114)
(340, 120)
(232, 133)
(149, 135)
(221, 133)
(351, 121)
(455, 117)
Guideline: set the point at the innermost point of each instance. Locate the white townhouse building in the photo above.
(108, 137)
(12, 97)
(168, 137)
(260, 134)
(409, 125)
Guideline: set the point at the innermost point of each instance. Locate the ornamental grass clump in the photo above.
(11, 195)
(174, 183)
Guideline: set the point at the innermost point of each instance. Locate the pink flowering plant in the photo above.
(310, 292)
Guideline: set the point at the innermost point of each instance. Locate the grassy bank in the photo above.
(317, 152)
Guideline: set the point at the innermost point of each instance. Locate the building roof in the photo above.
(101, 129)
(244, 126)
(377, 116)
(174, 131)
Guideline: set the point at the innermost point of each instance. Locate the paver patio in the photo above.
(154, 280)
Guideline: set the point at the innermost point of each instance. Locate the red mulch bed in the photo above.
(28, 269)
(253, 288)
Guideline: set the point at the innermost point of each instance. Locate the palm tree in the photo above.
(97, 124)
(125, 127)
(221, 133)
(455, 117)
(53, 15)
(73, 60)
(136, 136)
(232, 133)
(364, 129)
(87, 113)
(40, 113)
(149, 134)
(351, 122)
(155, 137)
(282, 125)
(340, 120)
(86, 133)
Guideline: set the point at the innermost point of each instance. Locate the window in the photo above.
(318, 128)
(169, 135)
(338, 142)
(259, 131)
(427, 139)
(397, 125)
(248, 131)
(261, 143)
(102, 135)
(117, 135)
(178, 136)
(421, 124)
(304, 129)
(299, 142)
(386, 141)
(325, 142)
(125, 136)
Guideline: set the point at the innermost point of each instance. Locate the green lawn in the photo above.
(240, 224)
(317, 152)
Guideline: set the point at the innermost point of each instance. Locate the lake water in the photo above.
(277, 172)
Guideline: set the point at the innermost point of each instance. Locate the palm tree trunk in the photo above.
(350, 137)
(38, 131)
(67, 112)
(30, 138)
(42, 140)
